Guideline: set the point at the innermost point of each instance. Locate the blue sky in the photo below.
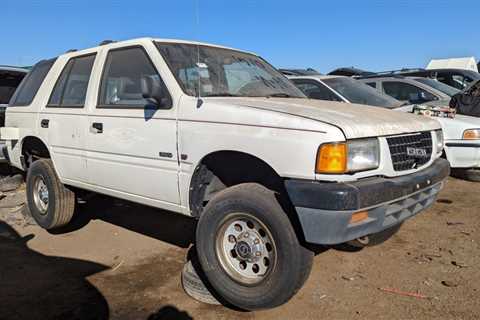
(375, 35)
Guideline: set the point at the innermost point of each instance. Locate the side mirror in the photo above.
(154, 92)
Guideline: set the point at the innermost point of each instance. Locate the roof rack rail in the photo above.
(104, 42)
(71, 50)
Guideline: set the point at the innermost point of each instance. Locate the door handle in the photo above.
(97, 127)
(44, 123)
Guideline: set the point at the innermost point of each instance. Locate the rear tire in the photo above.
(248, 248)
(50, 203)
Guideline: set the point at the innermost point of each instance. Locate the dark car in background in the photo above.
(10, 78)
(349, 72)
(457, 78)
(299, 72)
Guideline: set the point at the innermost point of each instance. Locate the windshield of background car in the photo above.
(439, 86)
(358, 92)
(210, 71)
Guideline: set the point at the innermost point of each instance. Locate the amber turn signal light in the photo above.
(359, 216)
(471, 134)
(332, 158)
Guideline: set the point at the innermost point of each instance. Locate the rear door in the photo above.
(64, 119)
(131, 147)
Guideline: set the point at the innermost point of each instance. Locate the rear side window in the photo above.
(71, 87)
(122, 77)
(31, 83)
(371, 84)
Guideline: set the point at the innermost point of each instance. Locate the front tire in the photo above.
(50, 203)
(248, 248)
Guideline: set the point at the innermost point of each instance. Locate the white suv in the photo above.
(220, 135)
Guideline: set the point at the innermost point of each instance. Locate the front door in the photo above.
(132, 149)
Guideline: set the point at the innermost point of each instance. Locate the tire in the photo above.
(252, 215)
(194, 286)
(54, 208)
(467, 174)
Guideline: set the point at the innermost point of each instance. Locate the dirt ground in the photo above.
(120, 260)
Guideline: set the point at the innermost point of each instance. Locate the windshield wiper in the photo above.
(222, 94)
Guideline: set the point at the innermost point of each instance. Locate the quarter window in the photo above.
(122, 78)
(71, 87)
(28, 88)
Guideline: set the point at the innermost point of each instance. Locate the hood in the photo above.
(355, 121)
(438, 103)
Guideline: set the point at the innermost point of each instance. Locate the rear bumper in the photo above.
(325, 209)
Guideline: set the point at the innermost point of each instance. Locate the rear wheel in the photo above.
(50, 203)
(249, 250)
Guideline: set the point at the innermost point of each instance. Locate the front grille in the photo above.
(400, 146)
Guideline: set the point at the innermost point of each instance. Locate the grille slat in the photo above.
(398, 150)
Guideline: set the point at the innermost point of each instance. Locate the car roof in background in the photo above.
(299, 72)
(315, 77)
(15, 69)
(349, 71)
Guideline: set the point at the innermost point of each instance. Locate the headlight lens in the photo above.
(363, 154)
(352, 156)
(439, 136)
(471, 134)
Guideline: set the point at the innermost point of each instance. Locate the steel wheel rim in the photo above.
(245, 248)
(40, 195)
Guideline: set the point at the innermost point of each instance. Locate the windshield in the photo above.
(209, 71)
(358, 92)
(450, 91)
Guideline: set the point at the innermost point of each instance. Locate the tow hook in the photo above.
(360, 242)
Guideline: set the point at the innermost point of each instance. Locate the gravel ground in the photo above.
(119, 260)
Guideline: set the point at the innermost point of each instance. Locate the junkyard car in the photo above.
(457, 78)
(10, 78)
(220, 135)
(411, 90)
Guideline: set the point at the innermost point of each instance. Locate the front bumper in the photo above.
(325, 209)
(463, 153)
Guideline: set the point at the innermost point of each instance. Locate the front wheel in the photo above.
(248, 248)
(50, 203)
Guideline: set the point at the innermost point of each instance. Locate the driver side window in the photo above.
(407, 92)
(122, 76)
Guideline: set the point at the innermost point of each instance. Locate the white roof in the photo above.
(467, 63)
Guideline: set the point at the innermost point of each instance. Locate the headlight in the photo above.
(471, 134)
(439, 136)
(352, 156)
